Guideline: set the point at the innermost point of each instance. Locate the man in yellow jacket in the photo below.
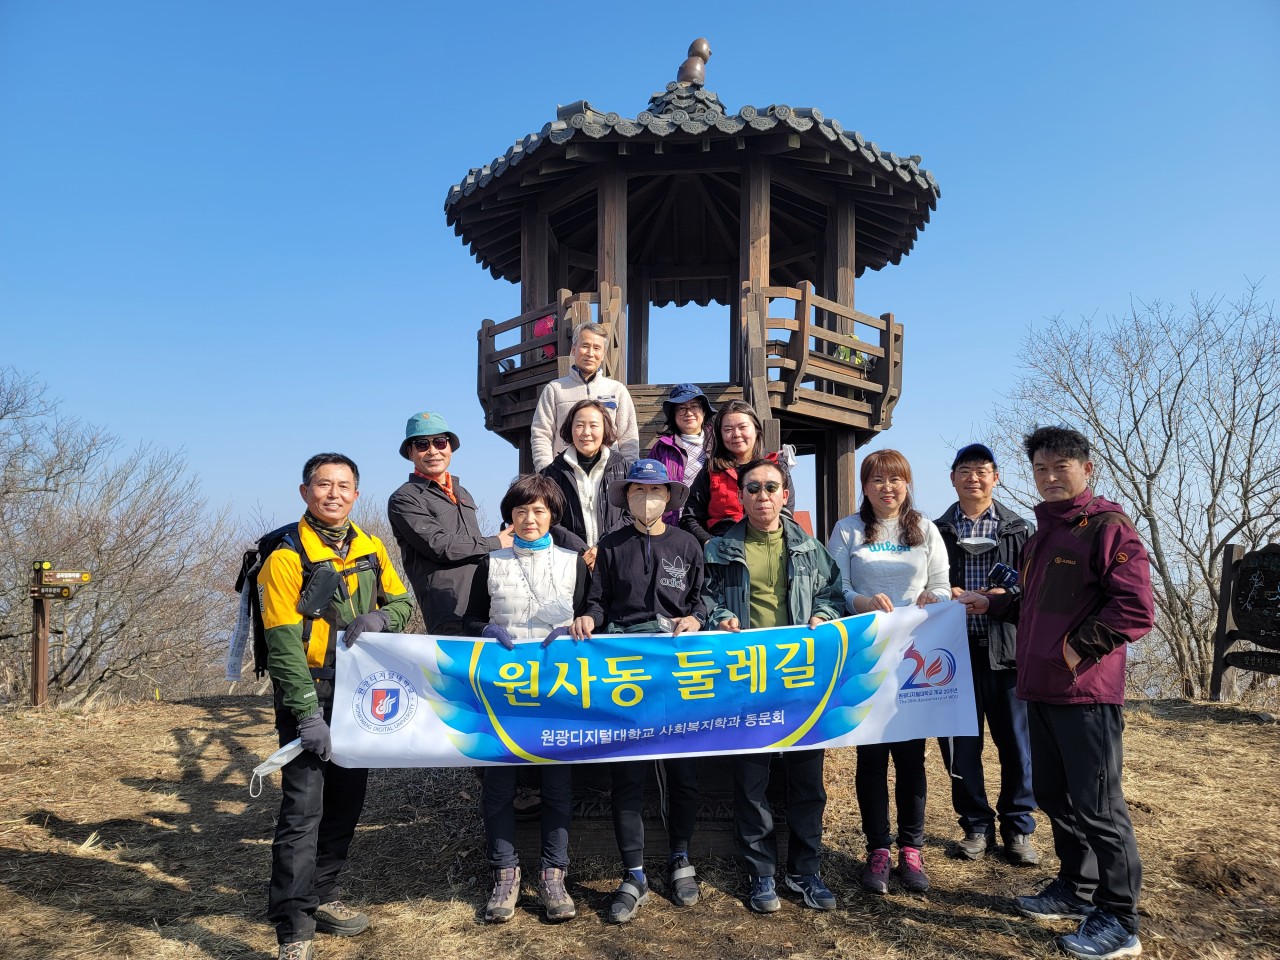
(329, 577)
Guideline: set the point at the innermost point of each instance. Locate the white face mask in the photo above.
(977, 545)
(647, 506)
(272, 764)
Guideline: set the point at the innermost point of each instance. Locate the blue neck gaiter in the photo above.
(541, 543)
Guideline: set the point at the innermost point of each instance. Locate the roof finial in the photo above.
(693, 70)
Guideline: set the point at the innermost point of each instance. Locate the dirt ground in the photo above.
(128, 831)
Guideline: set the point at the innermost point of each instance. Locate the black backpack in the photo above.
(251, 565)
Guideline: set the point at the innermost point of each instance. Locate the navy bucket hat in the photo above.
(648, 471)
(426, 425)
(683, 393)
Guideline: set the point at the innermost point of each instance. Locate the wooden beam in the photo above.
(535, 262)
(572, 189)
(611, 257)
(638, 322)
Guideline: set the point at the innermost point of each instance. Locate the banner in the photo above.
(404, 700)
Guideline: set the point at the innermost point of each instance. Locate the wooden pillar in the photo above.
(753, 250)
(842, 478)
(535, 261)
(611, 258)
(1223, 676)
(638, 298)
(39, 651)
(841, 263)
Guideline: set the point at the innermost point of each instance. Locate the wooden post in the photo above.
(753, 252)
(39, 651)
(638, 323)
(1223, 639)
(841, 482)
(611, 258)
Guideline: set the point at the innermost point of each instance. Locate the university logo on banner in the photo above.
(384, 702)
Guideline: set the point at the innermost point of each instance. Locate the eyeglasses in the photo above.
(755, 486)
(423, 444)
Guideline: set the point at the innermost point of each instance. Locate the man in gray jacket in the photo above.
(435, 523)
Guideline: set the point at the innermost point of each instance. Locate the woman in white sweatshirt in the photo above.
(890, 555)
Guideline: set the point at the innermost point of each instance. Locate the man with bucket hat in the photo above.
(435, 524)
(648, 579)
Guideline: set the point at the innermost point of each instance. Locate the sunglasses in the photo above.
(755, 486)
(423, 444)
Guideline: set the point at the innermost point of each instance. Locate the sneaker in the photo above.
(298, 950)
(1055, 901)
(975, 845)
(1100, 937)
(628, 898)
(338, 919)
(814, 891)
(555, 899)
(764, 896)
(1019, 851)
(683, 881)
(506, 894)
(876, 876)
(911, 870)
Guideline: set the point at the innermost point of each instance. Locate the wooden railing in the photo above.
(834, 363)
(510, 378)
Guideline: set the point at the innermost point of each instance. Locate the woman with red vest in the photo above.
(714, 505)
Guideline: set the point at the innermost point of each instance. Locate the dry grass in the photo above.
(128, 831)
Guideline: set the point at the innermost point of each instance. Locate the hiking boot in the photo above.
(875, 877)
(506, 894)
(555, 899)
(975, 845)
(1055, 901)
(1019, 851)
(911, 870)
(764, 895)
(683, 881)
(1100, 937)
(815, 892)
(336, 918)
(628, 898)
(298, 950)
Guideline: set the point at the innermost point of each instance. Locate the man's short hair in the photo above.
(529, 488)
(1059, 441)
(590, 326)
(610, 431)
(763, 462)
(322, 459)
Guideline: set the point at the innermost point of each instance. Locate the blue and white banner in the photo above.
(403, 700)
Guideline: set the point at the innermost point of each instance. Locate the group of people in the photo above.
(588, 545)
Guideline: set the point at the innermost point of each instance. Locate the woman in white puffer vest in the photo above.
(529, 591)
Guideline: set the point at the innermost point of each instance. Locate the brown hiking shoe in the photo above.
(506, 894)
(555, 899)
(336, 918)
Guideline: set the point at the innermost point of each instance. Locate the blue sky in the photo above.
(222, 227)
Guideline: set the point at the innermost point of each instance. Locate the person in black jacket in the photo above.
(435, 523)
(979, 533)
(584, 471)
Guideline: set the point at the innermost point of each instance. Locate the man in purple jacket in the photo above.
(1086, 592)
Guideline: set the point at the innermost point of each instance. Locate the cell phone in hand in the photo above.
(1002, 575)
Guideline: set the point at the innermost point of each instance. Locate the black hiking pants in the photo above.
(1077, 753)
(626, 797)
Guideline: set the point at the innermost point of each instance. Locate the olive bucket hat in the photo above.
(648, 471)
(426, 425)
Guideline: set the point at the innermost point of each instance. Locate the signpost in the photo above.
(1248, 609)
(47, 584)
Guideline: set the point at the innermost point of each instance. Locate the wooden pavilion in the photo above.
(773, 211)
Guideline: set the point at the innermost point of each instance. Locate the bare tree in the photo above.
(1181, 409)
(156, 606)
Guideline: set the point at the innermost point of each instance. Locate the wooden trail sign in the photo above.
(47, 584)
(1249, 610)
(1259, 661)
